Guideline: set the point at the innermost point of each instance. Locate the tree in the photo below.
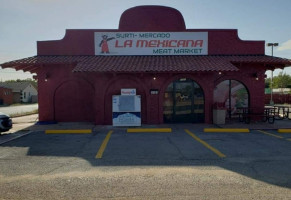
(267, 82)
(283, 80)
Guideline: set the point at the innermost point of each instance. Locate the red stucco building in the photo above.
(181, 74)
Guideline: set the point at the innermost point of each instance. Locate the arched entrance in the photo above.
(183, 102)
(231, 95)
(73, 102)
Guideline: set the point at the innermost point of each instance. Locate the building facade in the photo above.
(181, 74)
(21, 92)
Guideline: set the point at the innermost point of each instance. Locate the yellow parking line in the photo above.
(217, 152)
(227, 130)
(149, 130)
(68, 131)
(103, 145)
(270, 134)
(289, 139)
(284, 130)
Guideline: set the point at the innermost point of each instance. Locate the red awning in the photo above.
(156, 64)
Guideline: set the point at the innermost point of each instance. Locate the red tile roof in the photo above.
(260, 59)
(38, 60)
(146, 63)
(154, 64)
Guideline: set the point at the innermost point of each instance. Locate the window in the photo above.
(231, 94)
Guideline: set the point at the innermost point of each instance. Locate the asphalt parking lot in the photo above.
(179, 145)
(184, 162)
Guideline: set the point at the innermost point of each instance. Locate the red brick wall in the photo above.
(68, 96)
(6, 95)
(153, 18)
(220, 42)
(81, 42)
(65, 96)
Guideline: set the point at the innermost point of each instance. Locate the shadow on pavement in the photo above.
(253, 155)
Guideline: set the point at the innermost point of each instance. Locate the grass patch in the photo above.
(24, 113)
(16, 104)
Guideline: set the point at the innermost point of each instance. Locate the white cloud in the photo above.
(285, 46)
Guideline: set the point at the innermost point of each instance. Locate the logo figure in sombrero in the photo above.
(104, 45)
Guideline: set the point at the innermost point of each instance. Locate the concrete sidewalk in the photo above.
(19, 109)
(23, 123)
(29, 123)
(278, 124)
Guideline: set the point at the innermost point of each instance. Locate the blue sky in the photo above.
(23, 22)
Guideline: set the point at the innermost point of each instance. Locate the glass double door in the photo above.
(184, 102)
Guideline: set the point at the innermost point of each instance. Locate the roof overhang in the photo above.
(144, 64)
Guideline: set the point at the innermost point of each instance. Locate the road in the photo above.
(10, 110)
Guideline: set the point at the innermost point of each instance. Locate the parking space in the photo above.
(155, 146)
(179, 145)
(195, 144)
(256, 144)
(258, 156)
(277, 134)
(40, 144)
(109, 152)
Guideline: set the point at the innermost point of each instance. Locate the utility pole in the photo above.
(272, 45)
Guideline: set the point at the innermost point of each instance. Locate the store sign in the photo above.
(128, 91)
(151, 43)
